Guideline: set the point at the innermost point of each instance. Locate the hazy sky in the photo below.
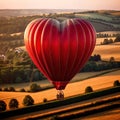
(60, 4)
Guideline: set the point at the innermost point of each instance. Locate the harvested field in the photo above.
(110, 115)
(75, 88)
(100, 40)
(108, 51)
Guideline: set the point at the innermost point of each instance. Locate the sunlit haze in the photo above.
(61, 4)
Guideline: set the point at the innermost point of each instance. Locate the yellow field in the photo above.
(99, 40)
(107, 51)
(110, 32)
(116, 13)
(71, 89)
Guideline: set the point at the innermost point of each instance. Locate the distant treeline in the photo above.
(26, 71)
(14, 25)
(10, 37)
(109, 41)
(95, 63)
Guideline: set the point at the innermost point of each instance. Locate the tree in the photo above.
(6, 76)
(116, 83)
(12, 89)
(117, 39)
(1, 81)
(110, 40)
(88, 89)
(45, 100)
(97, 57)
(112, 60)
(18, 80)
(106, 41)
(0, 89)
(2, 105)
(28, 100)
(113, 63)
(13, 103)
(34, 87)
(22, 90)
(5, 89)
(36, 75)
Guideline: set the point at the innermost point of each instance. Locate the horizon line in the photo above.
(55, 9)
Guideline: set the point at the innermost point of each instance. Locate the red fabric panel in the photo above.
(60, 49)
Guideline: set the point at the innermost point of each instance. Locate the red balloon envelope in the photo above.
(59, 49)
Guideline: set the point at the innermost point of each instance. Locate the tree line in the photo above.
(109, 41)
(24, 72)
(6, 37)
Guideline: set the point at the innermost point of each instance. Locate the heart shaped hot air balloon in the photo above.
(59, 49)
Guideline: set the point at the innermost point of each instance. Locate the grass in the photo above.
(95, 16)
